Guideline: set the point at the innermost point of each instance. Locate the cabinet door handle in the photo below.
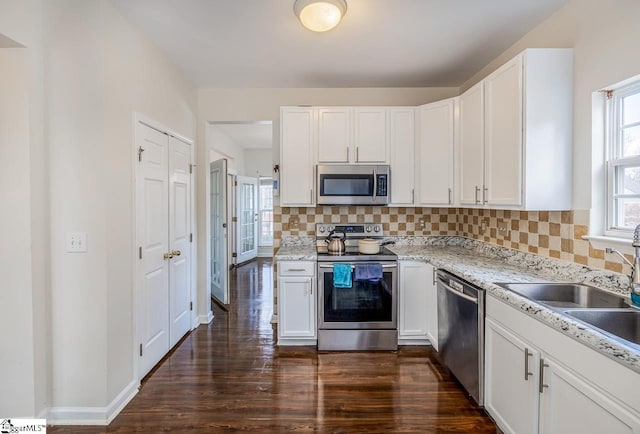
(485, 193)
(542, 366)
(435, 278)
(311, 195)
(357, 154)
(477, 191)
(450, 198)
(347, 154)
(527, 354)
(413, 196)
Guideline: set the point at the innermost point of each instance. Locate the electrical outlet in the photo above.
(503, 229)
(77, 242)
(422, 223)
(294, 222)
(483, 226)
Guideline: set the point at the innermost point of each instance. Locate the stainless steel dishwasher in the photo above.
(461, 331)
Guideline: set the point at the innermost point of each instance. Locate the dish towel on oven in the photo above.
(368, 273)
(342, 275)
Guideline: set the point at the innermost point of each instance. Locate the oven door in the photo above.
(365, 305)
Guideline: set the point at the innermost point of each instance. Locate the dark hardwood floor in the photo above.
(229, 376)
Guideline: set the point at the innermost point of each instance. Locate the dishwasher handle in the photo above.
(458, 293)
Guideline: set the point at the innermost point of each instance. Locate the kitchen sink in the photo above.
(622, 324)
(566, 295)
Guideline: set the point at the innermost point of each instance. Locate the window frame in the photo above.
(613, 158)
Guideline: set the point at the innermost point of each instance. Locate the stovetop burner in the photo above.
(353, 233)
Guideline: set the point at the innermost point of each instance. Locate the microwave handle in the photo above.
(375, 184)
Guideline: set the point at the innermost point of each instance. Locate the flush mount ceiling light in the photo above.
(320, 15)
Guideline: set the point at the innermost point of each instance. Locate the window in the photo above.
(266, 212)
(623, 159)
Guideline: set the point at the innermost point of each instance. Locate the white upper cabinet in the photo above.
(503, 135)
(334, 135)
(370, 135)
(516, 134)
(471, 145)
(402, 153)
(352, 135)
(297, 148)
(436, 128)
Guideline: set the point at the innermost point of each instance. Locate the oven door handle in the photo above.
(353, 266)
(458, 293)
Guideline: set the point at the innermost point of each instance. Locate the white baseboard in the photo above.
(92, 415)
(206, 319)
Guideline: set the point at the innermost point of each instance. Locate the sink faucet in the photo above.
(634, 277)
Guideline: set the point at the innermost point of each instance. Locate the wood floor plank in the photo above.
(230, 377)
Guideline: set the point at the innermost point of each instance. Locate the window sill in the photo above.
(602, 242)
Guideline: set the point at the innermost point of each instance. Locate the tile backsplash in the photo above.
(555, 234)
(396, 221)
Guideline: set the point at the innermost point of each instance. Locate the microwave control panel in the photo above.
(381, 185)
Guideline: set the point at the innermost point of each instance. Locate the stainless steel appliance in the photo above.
(461, 331)
(353, 184)
(363, 316)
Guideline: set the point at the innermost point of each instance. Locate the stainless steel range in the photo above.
(359, 313)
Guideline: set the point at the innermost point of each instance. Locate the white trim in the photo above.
(206, 319)
(92, 415)
(602, 242)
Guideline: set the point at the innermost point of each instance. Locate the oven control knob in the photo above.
(321, 229)
(329, 228)
(368, 229)
(376, 228)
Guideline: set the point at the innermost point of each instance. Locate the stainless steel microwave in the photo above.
(352, 184)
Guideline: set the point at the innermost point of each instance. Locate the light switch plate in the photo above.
(77, 242)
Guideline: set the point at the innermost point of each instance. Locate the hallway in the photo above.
(229, 376)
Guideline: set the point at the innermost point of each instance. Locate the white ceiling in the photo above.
(379, 43)
(248, 135)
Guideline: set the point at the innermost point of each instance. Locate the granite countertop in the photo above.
(297, 253)
(484, 265)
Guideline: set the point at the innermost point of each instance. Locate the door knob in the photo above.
(167, 256)
(176, 252)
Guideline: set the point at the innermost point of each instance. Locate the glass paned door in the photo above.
(266, 212)
(218, 229)
(247, 194)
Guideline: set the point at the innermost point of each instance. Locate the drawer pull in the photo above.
(296, 269)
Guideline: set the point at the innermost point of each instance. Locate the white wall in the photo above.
(84, 86)
(223, 145)
(16, 296)
(25, 163)
(258, 162)
(100, 71)
(604, 35)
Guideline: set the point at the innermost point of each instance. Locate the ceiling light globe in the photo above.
(320, 16)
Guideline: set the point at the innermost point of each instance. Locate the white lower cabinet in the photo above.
(569, 404)
(296, 303)
(416, 304)
(511, 392)
(538, 380)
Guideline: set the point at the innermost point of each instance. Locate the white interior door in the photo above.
(218, 227)
(152, 193)
(179, 239)
(247, 199)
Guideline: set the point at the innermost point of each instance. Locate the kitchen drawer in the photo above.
(296, 268)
